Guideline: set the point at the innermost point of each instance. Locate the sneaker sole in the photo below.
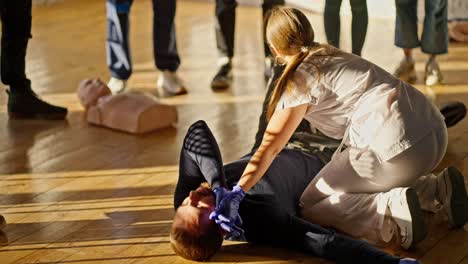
(457, 202)
(219, 86)
(161, 92)
(36, 116)
(418, 226)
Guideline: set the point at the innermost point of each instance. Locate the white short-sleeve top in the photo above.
(345, 92)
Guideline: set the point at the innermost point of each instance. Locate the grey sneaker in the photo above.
(432, 74)
(451, 193)
(406, 71)
(407, 214)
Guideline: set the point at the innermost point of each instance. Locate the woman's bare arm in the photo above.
(282, 125)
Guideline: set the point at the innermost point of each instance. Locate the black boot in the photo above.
(223, 78)
(2, 222)
(453, 112)
(27, 105)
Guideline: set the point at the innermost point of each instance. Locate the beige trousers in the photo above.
(350, 192)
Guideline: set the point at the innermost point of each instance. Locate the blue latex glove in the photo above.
(226, 214)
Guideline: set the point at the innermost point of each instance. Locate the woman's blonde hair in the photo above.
(289, 31)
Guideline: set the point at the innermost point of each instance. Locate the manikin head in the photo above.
(193, 235)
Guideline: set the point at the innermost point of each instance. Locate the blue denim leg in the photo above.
(117, 44)
(406, 26)
(434, 38)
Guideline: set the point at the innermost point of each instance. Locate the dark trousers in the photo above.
(16, 31)
(225, 25)
(332, 23)
(119, 60)
(434, 39)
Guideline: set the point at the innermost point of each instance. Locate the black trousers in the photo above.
(225, 25)
(268, 210)
(16, 31)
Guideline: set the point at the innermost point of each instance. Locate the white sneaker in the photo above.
(407, 214)
(117, 85)
(451, 193)
(432, 74)
(169, 84)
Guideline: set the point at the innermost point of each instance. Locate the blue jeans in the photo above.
(164, 38)
(434, 39)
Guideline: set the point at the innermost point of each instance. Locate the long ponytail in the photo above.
(284, 81)
(289, 31)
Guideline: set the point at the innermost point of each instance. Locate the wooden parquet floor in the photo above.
(76, 193)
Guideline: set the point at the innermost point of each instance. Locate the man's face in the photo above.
(194, 212)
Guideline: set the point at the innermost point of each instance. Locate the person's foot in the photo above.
(27, 105)
(169, 84)
(406, 212)
(117, 85)
(223, 78)
(451, 193)
(432, 74)
(408, 261)
(2, 222)
(453, 113)
(406, 71)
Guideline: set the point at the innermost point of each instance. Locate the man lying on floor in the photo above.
(268, 211)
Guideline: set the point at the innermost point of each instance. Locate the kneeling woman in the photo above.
(395, 138)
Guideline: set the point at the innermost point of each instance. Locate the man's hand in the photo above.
(226, 214)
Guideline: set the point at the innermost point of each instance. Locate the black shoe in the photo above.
(2, 222)
(26, 105)
(453, 112)
(223, 78)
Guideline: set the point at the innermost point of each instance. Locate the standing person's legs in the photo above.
(225, 22)
(166, 55)
(117, 44)
(434, 39)
(225, 28)
(269, 60)
(332, 22)
(266, 7)
(406, 37)
(359, 25)
(16, 31)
